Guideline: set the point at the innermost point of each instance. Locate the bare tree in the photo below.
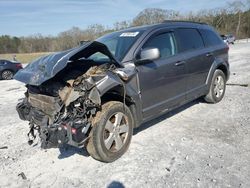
(122, 25)
(234, 18)
(237, 7)
(153, 16)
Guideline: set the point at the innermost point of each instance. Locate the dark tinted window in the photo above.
(210, 38)
(2, 62)
(189, 39)
(165, 42)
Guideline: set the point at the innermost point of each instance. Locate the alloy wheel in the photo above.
(219, 86)
(116, 132)
(7, 75)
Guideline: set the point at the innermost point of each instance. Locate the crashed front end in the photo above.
(61, 102)
(62, 117)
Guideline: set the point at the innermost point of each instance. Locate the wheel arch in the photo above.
(8, 69)
(117, 93)
(223, 66)
(224, 69)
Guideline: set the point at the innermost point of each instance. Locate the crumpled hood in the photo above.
(48, 66)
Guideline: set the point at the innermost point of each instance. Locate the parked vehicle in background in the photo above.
(94, 95)
(8, 69)
(228, 39)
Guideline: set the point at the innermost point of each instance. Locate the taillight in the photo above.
(19, 65)
(73, 130)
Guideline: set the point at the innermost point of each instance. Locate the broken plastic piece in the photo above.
(23, 176)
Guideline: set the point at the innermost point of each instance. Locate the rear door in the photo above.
(162, 81)
(215, 48)
(198, 60)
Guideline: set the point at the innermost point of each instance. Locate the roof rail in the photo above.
(183, 21)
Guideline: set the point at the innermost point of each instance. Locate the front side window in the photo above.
(189, 39)
(165, 42)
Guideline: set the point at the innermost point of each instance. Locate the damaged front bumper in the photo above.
(64, 118)
(72, 132)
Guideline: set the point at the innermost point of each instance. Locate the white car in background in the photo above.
(229, 39)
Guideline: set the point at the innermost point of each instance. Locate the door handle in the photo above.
(209, 54)
(179, 63)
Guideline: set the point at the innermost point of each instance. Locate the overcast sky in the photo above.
(49, 17)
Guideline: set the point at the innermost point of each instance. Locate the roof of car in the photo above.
(9, 61)
(4, 60)
(168, 23)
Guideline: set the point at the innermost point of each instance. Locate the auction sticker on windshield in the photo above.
(129, 34)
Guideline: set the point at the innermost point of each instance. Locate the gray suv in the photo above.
(94, 95)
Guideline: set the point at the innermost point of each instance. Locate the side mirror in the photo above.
(149, 54)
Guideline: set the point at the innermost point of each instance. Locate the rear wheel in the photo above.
(7, 75)
(111, 132)
(217, 87)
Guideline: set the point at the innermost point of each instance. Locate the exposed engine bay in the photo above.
(60, 109)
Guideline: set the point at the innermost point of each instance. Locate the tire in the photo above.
(7, 75)
(217, 87)
(111, 133)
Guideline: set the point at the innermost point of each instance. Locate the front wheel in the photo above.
(217, 87)
(111, 132)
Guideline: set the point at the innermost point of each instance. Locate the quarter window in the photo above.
(189, 39)
(165, 42)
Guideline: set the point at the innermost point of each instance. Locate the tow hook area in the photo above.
(57, 135)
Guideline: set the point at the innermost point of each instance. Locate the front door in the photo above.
(162, 81)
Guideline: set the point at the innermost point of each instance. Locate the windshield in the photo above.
(119, 43)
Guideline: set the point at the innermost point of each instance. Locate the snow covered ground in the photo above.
(198, 145)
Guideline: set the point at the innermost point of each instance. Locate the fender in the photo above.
(111, 81)
(108, 82)
(218, 62)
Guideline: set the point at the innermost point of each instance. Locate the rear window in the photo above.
(210, 38)
(189, 39)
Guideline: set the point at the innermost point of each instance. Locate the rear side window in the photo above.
(210, 38)
(165, 42)
(189, 39)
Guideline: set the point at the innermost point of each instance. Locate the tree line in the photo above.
(233, 18)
